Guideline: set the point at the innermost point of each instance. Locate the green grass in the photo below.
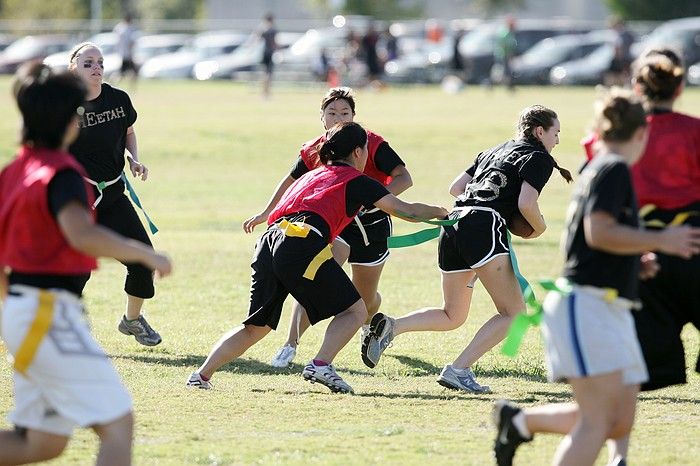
(215, 151)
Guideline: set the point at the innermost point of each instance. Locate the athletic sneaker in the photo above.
(140, 329)
(364, 331)
(461, 379)
(508, 439)
(197, 381)
(284, 356)
(381, 333)
(327, 376)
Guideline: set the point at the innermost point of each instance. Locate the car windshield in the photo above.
(548, 51)
(670, 36)
(481, 40)
(23, 48)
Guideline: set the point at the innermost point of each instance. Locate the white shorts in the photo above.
(68, 381)
(585, 335)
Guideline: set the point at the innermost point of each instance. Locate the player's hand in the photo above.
(443, 213)
(249, 225)
(650, 266)
(138, 170)
(161, 264)
(683, 241)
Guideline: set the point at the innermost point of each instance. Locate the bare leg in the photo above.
(555, 418)
(299, 322)
(604, 412)
(366, 280)
(453, 313)
(230, 346)
(115, 441)
(33, 447)
(499, 280)
(133, 307)
(340, 331)
(617, 449)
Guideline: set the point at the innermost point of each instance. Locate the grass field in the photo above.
(215, 151)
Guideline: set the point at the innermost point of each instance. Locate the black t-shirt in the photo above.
(65, 187)
(498, 174)
(385, 159)
(102, 140)
(362, 191)
(605, 185)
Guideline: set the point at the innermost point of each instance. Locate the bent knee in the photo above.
(621, 428)
(120, 430)
(44, 446)
(455, 318)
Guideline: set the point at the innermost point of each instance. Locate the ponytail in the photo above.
(341, 140)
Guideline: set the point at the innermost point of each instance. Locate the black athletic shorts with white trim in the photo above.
(368, 243)
(474, 241)
(278, 266)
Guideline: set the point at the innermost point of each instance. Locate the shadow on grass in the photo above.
(420, 367)
(238, 366)
(668, 399)
(448, 395)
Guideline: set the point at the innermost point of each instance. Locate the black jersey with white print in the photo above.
(498, 173)
(102, 140)
(605, 185)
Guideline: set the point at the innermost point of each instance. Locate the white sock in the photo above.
(521, 425)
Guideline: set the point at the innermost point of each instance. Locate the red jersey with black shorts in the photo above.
(301, 227)
(367, 234)
(489, 200)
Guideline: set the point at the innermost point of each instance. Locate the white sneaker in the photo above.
(364, 331)
(327, 376)
(284, 356)
(196, 381)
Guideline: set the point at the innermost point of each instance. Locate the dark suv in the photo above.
(477, 47)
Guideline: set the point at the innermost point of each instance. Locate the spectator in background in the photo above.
(457, 63)
(619, 72)
(433, 31)
(392, 45)
(369, 51)
(268, 34)
(127, 33)
(504, 53)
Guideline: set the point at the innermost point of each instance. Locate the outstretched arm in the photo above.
(460, 184)
(257, 219)
(411, 211)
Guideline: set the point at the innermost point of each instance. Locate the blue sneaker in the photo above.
(461, 379)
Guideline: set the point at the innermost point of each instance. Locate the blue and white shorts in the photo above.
(586, 335)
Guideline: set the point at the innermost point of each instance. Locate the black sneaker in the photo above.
(507, 436)
(140, 329)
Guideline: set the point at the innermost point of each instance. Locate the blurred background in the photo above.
(357, 42)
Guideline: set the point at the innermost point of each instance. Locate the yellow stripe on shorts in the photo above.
(316, 262)
(37, 332)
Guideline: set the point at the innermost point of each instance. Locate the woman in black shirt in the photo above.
(589, 331)
(106, 136)
(503, 181)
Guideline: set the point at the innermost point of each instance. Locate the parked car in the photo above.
(245, 59)
(680, 34)
(477, 47)
(299, 60)
(589, 70)
(694, 74)
(533, 66)
(5, 41)
(31, 48)
(203, 46)
(427, 63)
(150, 46)
(106, 41)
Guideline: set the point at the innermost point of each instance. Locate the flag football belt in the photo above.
(679, 219)
(523, 321)
(412, 239)
(301, 230)
(41, 323)
(101, 185)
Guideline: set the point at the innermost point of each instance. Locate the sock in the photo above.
(206, 379)
(460, 371)
(521, 425)
(318, 362)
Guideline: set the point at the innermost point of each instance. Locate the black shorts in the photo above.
(129, 65)
(278, 266)
(267, 62)
(370, 248)
(669, 302)
(472, 242)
